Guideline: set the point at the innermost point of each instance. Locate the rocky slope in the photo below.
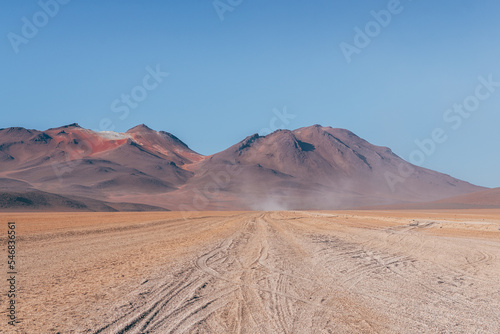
(308, 168)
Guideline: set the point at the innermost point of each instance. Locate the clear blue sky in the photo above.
(226, 76)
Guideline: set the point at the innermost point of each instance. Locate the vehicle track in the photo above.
(273, 274)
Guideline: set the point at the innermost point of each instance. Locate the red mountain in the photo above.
(71, 160)
(311, 167)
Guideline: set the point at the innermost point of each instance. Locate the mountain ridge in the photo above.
(312, 167)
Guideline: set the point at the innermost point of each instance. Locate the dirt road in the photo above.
(260, 272)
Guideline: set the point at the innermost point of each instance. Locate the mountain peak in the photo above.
(72, 125)
(316, 127)
(248, 141)
(279, 132)
(140, 128)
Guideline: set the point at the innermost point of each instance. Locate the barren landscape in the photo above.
(250, 167)
(258, 272)
(70, 168)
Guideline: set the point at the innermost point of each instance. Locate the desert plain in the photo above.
(257, 272)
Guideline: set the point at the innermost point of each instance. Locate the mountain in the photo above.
(321, 167)
(70, 160)
(313, 167)
(35, 200)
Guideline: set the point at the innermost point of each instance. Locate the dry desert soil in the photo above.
(256, 272)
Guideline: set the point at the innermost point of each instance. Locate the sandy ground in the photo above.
(256, 272)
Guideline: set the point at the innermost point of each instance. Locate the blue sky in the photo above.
(225, 77)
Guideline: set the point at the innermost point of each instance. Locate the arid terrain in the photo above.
(70, 168)
(258, 272)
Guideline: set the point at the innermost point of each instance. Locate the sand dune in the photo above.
(260, 272)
